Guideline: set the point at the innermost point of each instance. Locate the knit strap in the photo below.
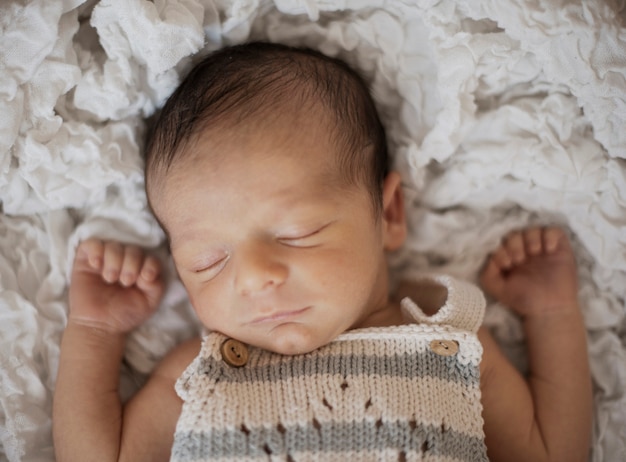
(464, 307)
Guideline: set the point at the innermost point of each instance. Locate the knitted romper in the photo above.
(402, 393)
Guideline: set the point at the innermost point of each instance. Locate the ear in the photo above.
(394, 217)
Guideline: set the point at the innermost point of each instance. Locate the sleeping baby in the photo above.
(268, 171)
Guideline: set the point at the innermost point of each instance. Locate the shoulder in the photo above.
(492, 355)
(149, 429)
(175, 363)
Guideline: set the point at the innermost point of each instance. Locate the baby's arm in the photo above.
(547, 416)
(114, 288)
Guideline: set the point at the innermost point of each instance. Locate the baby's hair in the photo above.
(246, 83)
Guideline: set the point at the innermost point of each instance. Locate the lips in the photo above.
(279, 316)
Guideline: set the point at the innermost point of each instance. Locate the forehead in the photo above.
(273, 169)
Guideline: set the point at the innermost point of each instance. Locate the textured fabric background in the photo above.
(500, 113)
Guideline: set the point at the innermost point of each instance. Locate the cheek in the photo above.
(205, 299)
(341, 270)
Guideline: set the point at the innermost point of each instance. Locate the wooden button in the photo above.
(234, 353)
(444, 347)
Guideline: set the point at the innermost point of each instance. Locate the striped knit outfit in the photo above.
(402, 393)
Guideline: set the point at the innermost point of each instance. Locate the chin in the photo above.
(292, 343)
(291, 348)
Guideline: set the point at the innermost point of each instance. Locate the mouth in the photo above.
(279, 316)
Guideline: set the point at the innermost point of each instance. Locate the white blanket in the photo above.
(500, 113)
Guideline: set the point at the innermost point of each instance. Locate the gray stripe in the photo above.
(366, 436)
(409, 365)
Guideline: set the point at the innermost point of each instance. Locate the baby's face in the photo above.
(270, 253)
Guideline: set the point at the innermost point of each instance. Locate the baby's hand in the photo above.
(533, 272)
(114, 287)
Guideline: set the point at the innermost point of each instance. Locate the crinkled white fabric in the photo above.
(500, 113)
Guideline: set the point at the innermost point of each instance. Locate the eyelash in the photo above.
(221, 261)
(295, 239)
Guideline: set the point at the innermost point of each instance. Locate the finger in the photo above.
(514, 244)
(113, 258)
(502, 258)
(91, 251)
(151, 269)
(532, 240)
(150, 281)
(131, 265)
(552, 237)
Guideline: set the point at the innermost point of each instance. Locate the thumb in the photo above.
(150, 281)
(492, 280)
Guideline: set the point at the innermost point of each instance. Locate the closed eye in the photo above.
(305, 240)
(210, 270)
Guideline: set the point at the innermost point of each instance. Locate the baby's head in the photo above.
(267, 168)
(254, 86)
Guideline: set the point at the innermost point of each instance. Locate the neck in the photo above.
(390, 314)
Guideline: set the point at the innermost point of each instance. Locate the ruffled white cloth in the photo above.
(500, 113)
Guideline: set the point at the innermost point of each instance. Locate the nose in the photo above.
(258, 269)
